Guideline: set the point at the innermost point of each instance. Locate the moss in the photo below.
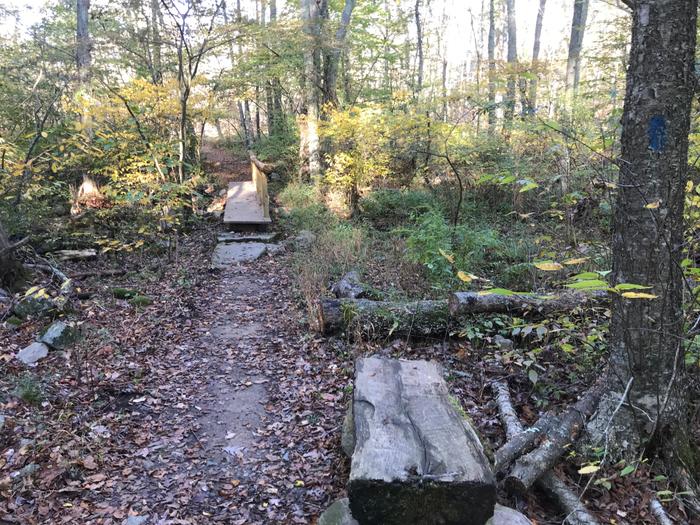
(141, 301)
(14, 320)
(123, 293)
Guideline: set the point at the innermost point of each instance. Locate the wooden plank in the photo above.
(243, 206)
(416, 460)
(260, 180)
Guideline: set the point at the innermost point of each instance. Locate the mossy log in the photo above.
(467, 303)
(383, 318)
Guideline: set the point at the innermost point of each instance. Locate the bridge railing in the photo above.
(260, 180)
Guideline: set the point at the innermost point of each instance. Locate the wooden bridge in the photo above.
(247, 202)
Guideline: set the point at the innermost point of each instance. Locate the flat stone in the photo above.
(274, 249)
(34, 305)
(227, 254)
(136, 520)
(507, 516)
(2, 421)
(246, 237)
(338, 514)
(59, 336)
(33, 353)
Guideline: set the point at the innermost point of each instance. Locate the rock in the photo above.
(135, 520)
(246, 237)
(59, 336)
(34, 305)
(503, 343)
(275, 176)
(140, 301)
(347, 438)
(2, 422)
(304, 240)
(227, 254)
(33, 353)
(507, 516)
(338, 514)
(274, 249)
(27, 471)
(4, 296)
(123, 293)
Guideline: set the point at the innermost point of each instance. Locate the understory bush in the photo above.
(387, 208)
(302, 208)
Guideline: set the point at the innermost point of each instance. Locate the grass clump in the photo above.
(28, 389)
(303, 209)
(388, 208)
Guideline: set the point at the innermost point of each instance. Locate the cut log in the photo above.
(657, 509)
(528, 468)
(383, 318)
(522, 442)
(549, 483)
(467, 303)
(416, 461)
(349, 287)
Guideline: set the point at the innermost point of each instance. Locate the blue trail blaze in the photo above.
(657, 133)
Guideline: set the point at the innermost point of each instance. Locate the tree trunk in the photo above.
(532, 102)
(10, 268)
(419, 47)
(332, 56)
(156, 43)
(468, 303)
(648, 391)
(492, 67)
(509, 109)
(311, 158)
(573, 63)
(83, 53)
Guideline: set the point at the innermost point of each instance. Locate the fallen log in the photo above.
(522, 442)
(467, 303)
(97, 273)
(657, 509)
(549, 483)
(70, 255)
(563, 431)
(383, 318)
(415, 459)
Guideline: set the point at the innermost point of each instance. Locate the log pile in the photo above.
(520, 439)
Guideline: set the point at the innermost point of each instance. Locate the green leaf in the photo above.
(627, 470)
(592, 284)
(533, 376)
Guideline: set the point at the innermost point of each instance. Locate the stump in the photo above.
(416, 460)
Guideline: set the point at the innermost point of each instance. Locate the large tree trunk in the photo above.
(573, 63)
(647, 398)
(492, 67)
(532, 102)
(156, 21)
(311, 157)
(512, 58)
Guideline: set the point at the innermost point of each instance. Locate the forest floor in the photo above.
(218, 404)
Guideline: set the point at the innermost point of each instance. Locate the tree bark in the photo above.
(492, 68)
(467, 303)
(646, 336)
(156, 43)
(573, 63)
(10, 268)
(532, 102)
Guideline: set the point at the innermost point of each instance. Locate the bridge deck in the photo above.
(243, 205)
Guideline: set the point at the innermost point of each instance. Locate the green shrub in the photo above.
(390, 208)
(302, 208)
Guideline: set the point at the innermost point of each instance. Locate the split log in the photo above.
(467, 303)
(416, 460)
(383, 318)
(564, 431)
(549, 483)
(349, 287)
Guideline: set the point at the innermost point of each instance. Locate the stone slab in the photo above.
(227, 254)
(33, 353)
